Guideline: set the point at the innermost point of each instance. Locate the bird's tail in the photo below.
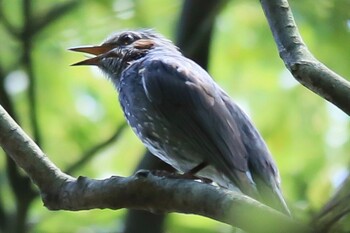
(273, 197)
(269, 194)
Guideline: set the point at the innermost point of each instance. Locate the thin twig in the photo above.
(26, 40)
(55, 13)
(89, 154)
(7, 24)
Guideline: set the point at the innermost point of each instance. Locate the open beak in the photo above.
(94, 50)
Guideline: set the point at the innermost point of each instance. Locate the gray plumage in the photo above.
(183, 117)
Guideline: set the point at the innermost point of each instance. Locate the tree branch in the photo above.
(301, 63)
(142, 191)
(335, 209)
(161, 195)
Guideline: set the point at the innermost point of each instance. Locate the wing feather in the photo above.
(192, 101)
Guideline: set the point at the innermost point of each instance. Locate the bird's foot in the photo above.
(191, 176)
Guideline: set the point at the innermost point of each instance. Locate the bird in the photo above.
(182, 115)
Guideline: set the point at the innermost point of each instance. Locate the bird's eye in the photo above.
(126, 39)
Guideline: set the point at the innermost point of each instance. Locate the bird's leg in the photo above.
(190, 175)
(197, 168)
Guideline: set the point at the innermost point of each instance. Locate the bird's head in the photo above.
(121, 49)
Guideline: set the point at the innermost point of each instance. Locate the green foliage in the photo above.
(78, 108)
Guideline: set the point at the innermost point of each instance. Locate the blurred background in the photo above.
(74, 115)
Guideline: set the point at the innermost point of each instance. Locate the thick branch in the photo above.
(305, 68)
(141, 191)
(158, 194)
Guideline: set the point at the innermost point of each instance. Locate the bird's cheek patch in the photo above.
(143, 44)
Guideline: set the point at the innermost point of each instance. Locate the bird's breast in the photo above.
(150, 125)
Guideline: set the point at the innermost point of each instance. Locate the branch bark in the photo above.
(144, 190)
(301, 63)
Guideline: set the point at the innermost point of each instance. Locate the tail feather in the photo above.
(272, 196)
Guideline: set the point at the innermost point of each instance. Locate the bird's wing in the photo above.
(260, 162)
(186, 96)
